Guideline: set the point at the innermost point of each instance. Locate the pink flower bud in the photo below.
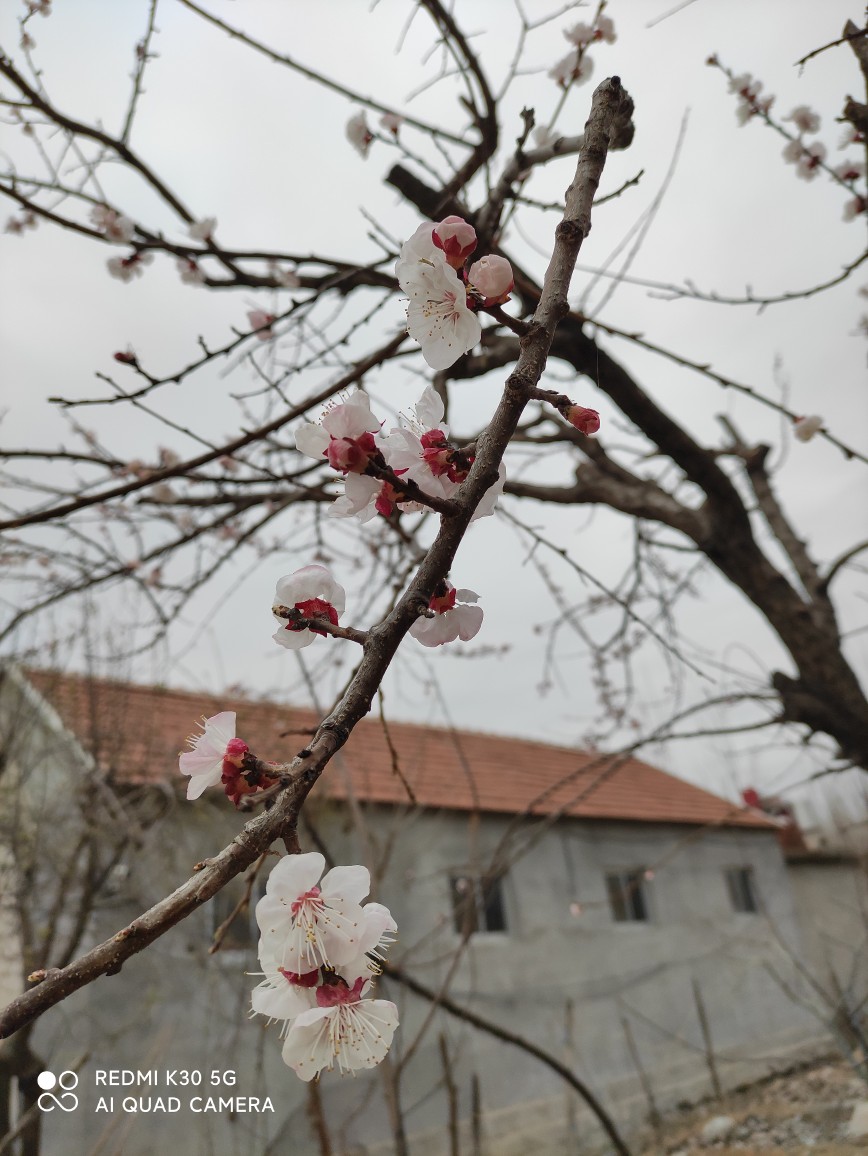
(492, 278)
(586, 421)
(456, 238)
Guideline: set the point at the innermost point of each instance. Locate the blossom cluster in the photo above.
(350, 437)
(808, 157)
(443, 296)
(308, 601)
(320, 949)
(576, 67)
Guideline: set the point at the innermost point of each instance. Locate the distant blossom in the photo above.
(804, 428)
(203, 230)
(391, 122)
(574, 68)
(128, 268)
(358, 133)
(189, 271)
(113, 225)
(804, 118)
(260, 323)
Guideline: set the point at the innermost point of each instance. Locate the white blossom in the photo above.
(189, 271)
(280, 995)
(314, 594)
(353, 1033)
(391, 122)
(203, 230)
(113, 225)
(204, 763)
(576, 67)
(437, 314)
(455, 616)
(804, 428)
(260, 323)
(808, 164)
(358, 133)
(343, 435)
(359, 499)
(126, 268)
(307, 923)
(804, 118)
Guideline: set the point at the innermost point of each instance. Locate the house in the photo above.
(639, 929)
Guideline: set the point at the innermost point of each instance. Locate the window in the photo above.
(742, 890)
(627, 896)
(477, 904)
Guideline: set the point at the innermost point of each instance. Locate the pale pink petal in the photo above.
(353, 883)
(469, 619)
(293, 875)
(312, 440)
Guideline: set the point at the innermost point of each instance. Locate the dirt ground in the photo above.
(804, 1112)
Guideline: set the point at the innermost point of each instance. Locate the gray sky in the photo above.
(264, 151)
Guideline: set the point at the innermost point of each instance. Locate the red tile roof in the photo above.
(137, 732)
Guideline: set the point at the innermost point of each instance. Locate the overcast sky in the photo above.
(263, 150)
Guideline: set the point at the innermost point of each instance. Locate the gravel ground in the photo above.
(804, 1112)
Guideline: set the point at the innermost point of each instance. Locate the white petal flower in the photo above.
(311, 439)
(391, 121)
(358, 133)
(305, 926)
(203, 230)
(488, 501)
(808, 164)
(419, 247)
(429, 410)
(437, 315)
(352, 418)
(576, 67)
(354, 1034)
(204, 763)
(455, 616)
(126, 268)
(260, 322)
(280, 996)
(804, 428)
(804, 118)
(115, 226)
(315, 594)
(189, 271)
(359, 499)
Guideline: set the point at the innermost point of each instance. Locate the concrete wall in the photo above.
(831, 900)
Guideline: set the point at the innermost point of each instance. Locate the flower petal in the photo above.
(351, 883)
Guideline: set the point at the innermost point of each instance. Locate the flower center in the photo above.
(311, 609)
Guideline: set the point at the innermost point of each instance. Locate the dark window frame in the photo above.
(628, 896)
(478, 905)
(742, 890)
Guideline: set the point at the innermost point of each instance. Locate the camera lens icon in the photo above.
(67, 1101)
